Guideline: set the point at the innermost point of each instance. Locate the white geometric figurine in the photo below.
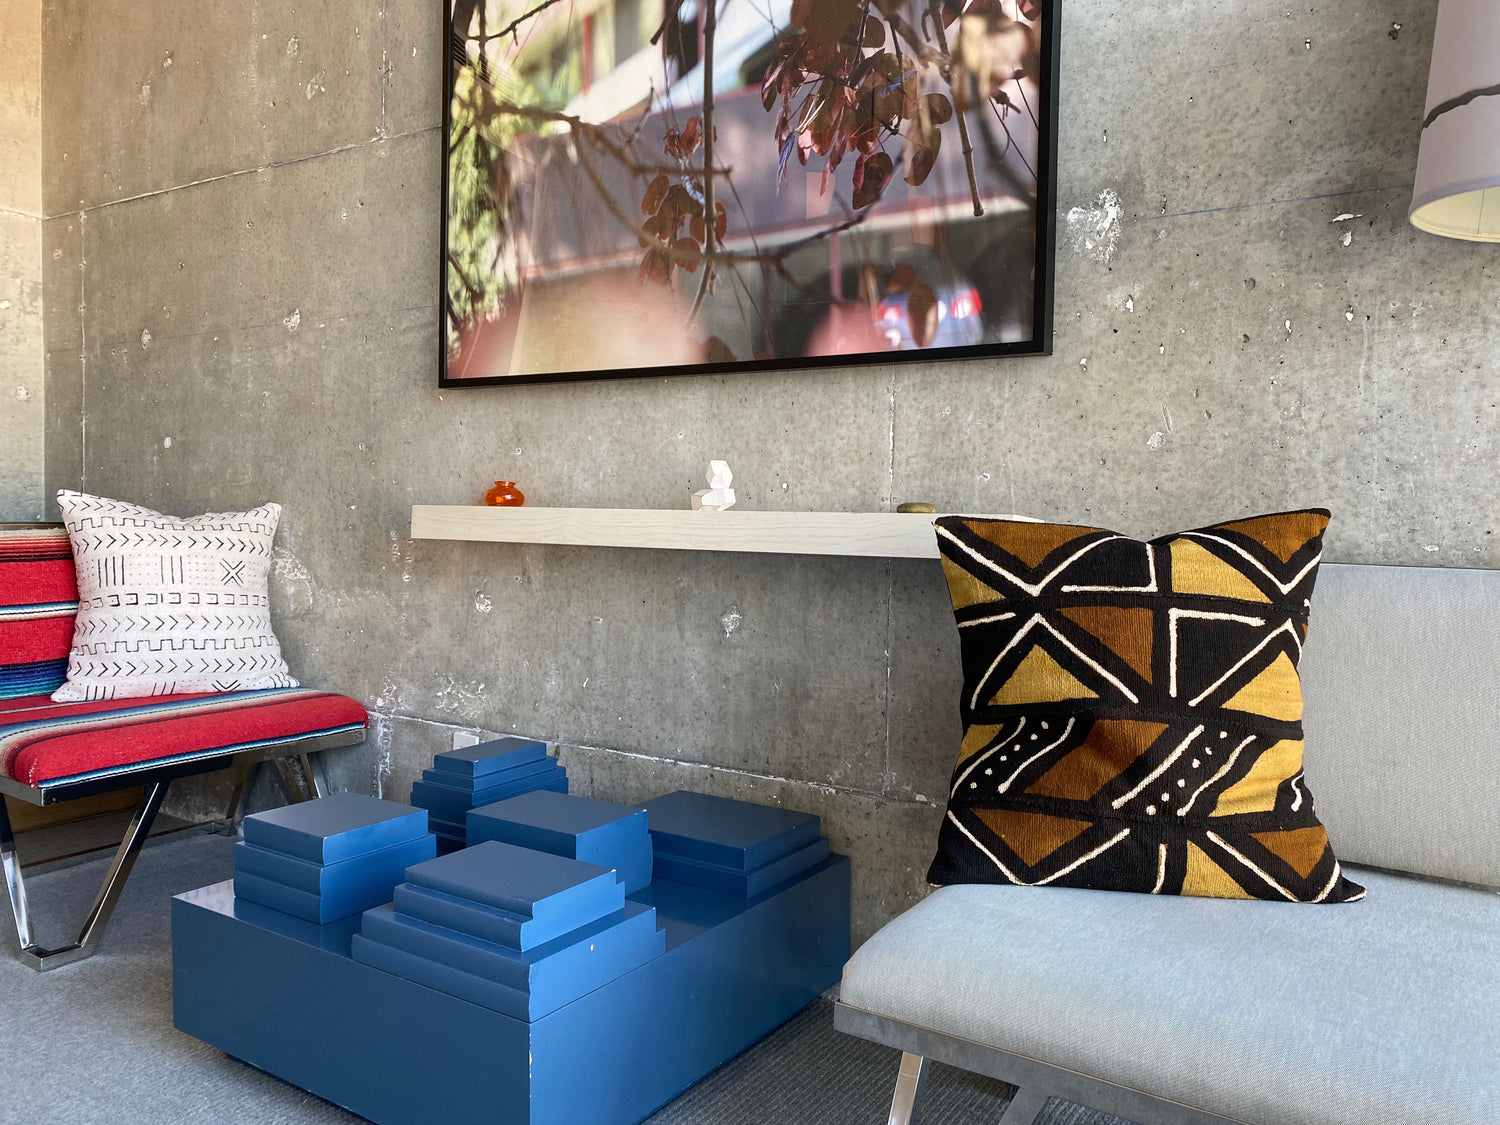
(718, 495)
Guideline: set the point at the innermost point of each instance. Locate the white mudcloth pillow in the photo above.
(169, 605)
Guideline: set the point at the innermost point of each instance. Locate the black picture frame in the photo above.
(574, 244)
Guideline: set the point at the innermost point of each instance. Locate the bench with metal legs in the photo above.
(54, 751)
(155, 777)
(1035, 1082)
(911, 1082)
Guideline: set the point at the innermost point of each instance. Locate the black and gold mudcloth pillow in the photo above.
(1132, 711)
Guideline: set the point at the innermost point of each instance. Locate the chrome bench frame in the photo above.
(156, 776)
(1035, 1081)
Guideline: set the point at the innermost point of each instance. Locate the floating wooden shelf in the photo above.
(876, 534)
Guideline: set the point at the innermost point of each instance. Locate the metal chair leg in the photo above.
(291, 783)
(41, 959)
(910, 1086)
(1024, 1107)
(312, 782)
(235, 811)
(13, 883)
(312, 769)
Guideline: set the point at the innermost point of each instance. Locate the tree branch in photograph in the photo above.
(667, 17)
(511, 28)
(935, 8)
(920, 47)
(599, 133)
(706, 282)
(787, 249)
(1021, 86)
(1010, 145)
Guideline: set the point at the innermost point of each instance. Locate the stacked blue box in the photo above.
(460, 780)
(330, 858)
(518, 931)
(575, 827)
(732, 847)
(733, 969)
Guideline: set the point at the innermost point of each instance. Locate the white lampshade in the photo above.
(1458, 170)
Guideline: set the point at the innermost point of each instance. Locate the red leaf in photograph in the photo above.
(656, 268)
(696, 228)
(874, 34)
(864, 133)
(922, 313)
(682, 142)
(825, 21)
(656, 191)
(787, 145)
(685, 253)
(678, 205)
(827, 59)
(836, 152)
(812, 107)
(896, 99)
(721, 221)
(656, 229)
(828, 123)
(901, 278)
(716, 350)
(862, 71)
(924, 154)
(939, 109)
(784, 121)
(871, 175)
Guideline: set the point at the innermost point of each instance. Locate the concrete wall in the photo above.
(243, 247)
(21, 379)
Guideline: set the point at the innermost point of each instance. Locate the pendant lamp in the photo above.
(1457, 193)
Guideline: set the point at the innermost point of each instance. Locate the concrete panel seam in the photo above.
(83, 358)
(308, 315)
(820, 786)
(885, 707)
(1384, 188)
(271, 166)
(385, 69)
(890, 587)
(391, 716)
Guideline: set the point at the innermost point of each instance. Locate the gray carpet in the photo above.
(94, 1042)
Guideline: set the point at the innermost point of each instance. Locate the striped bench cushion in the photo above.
(44, 743)
(38, 601)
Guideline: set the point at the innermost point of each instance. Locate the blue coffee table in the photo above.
(289, 997)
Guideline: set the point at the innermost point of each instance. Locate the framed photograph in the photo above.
(648, 187)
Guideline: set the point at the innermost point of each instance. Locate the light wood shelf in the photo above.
(873, 534)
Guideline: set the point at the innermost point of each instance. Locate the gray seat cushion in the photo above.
(1375, 1013)
(1402, 681)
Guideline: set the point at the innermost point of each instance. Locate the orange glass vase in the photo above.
(505, 494)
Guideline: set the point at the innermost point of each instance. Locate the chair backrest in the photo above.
(1401, 678)
(38, 601)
